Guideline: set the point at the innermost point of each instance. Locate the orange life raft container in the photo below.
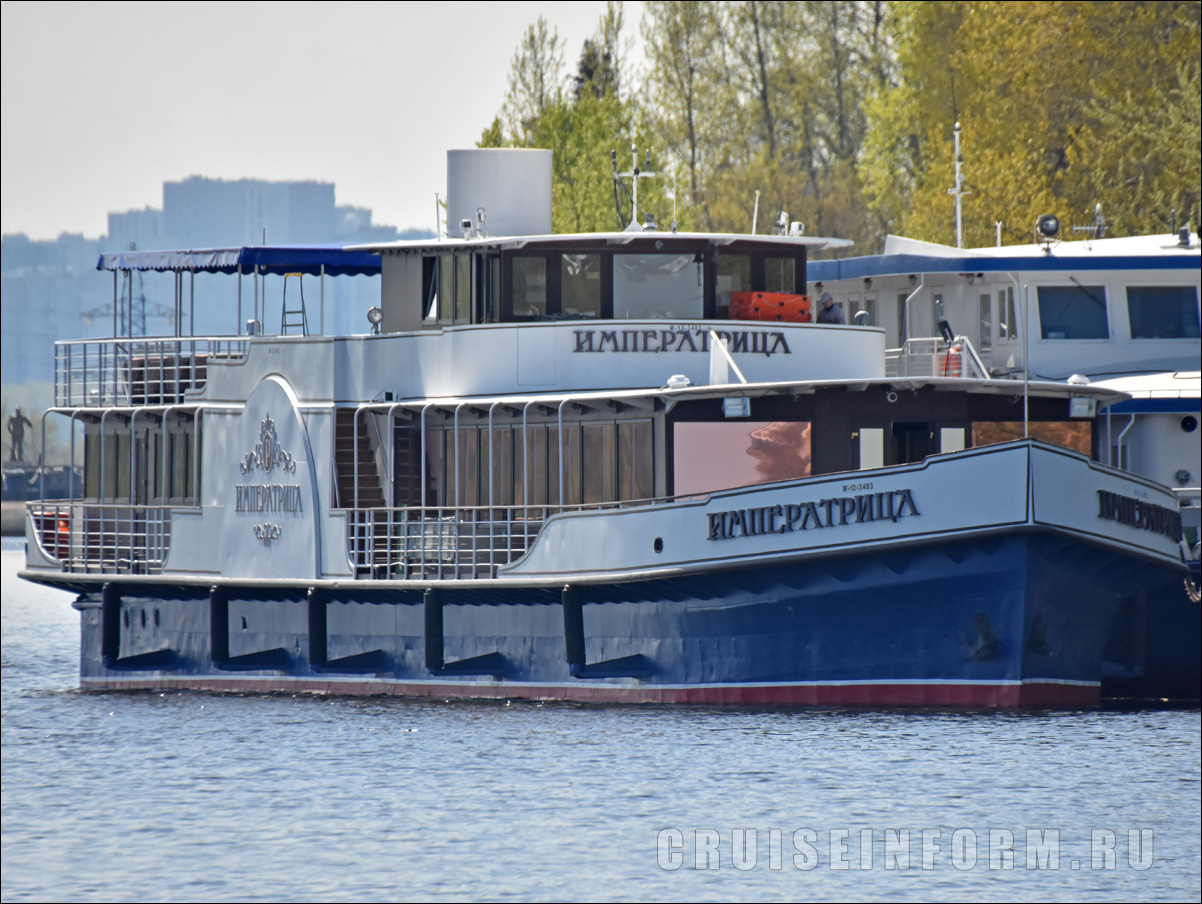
(770, 306)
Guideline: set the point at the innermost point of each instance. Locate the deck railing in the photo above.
(136, 371)
(934, 357)
(448, 543)
(104, 538)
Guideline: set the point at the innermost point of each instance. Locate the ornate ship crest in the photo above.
(268, 454)
(267, 532)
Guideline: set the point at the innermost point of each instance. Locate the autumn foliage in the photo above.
(841, 113)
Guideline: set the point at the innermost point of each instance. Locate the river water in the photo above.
(193, 796)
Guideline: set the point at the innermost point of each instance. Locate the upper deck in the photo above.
(1097, 307)
(487, 315)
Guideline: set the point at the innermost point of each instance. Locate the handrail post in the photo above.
(491, 474)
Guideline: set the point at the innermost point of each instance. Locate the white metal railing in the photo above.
(103, 538)
(465, 542)
(932, 356)
(136, 371)
(1189, 500)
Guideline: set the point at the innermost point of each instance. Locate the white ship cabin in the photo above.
(506, 378)
(1100, 307)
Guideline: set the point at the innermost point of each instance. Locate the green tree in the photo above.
(689, 99)
(1063, 105)
(580, 126)
(911, 118)
(535, 83)
(769, 96)
(1138, 153)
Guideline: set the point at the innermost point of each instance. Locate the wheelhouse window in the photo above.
(430, 288)
(658, 286)
(1163, 312)
(463, 287)
(734, 275)
(488, 288)
(780, 274)
(1073, 312)
(529, 285)
(446, 287)
(580, 276)
(460, 287)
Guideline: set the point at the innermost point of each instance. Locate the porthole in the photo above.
(1189, 423)
(658, 545)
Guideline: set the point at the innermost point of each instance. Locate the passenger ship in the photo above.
(618, 467)
(1120, 312)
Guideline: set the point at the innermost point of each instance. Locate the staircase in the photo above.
(371, 494)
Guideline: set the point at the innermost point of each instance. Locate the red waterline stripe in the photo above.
(1033, 693)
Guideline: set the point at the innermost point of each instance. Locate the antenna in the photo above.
(1098, 229)
(958, 188)
(634, 176)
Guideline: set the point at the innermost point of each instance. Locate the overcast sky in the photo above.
(103, 102)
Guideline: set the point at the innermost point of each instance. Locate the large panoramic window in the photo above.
(720, 455)
(658, 285)
(1163, 312)
(1073, 312)
(1076, 435)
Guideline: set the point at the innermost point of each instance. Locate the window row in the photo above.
(506, 466)
(746, 453)
(475, 287)
(162, 467)
(1155, 312)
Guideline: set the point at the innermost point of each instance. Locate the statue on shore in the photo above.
(16, 431)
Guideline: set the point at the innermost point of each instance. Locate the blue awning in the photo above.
(336, 260)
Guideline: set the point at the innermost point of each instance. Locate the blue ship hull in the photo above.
(1156, 646)
(1013, 619)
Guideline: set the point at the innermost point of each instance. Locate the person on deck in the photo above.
(830, 313)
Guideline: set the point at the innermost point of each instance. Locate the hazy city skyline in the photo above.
(103, 103)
